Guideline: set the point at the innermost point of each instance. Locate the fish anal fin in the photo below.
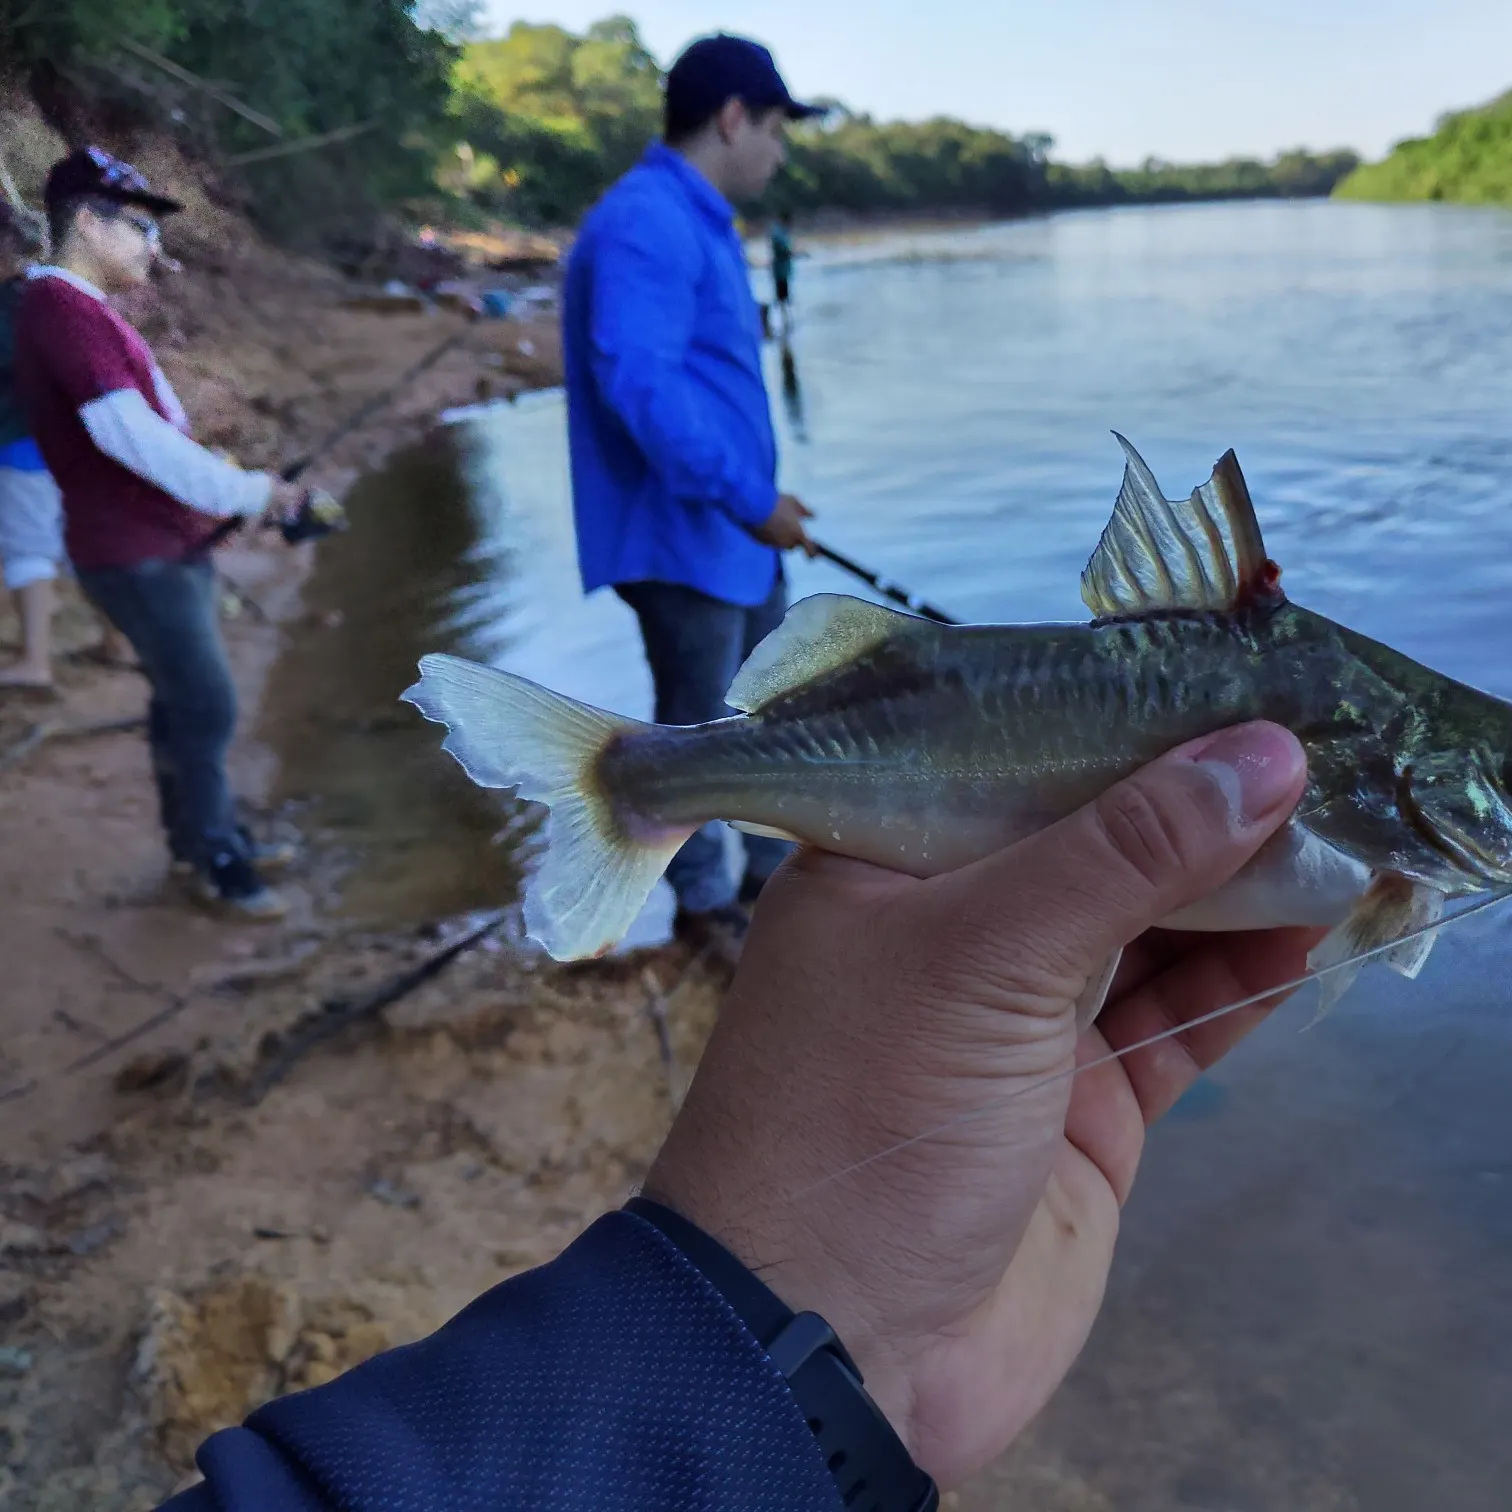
(1392, 906)
(1157, 554)
(817, 635)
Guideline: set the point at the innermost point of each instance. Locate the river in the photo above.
(1312, 1306)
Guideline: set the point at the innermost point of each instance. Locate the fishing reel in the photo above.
(318, 515)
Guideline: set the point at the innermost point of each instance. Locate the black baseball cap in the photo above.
(93, 173)
(715, 69)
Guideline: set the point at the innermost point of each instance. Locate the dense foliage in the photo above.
(310, 66)
(1468, 158)
(547, 120)
(531, 126)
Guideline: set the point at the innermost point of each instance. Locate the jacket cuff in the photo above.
(615, 1377)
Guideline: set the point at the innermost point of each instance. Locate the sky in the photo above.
(1185, 80)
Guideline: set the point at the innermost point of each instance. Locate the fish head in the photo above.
(1463, 802)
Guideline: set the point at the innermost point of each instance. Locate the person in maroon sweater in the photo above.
(142, 502)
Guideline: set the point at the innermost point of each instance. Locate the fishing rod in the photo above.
(317, 519)
(893, 591)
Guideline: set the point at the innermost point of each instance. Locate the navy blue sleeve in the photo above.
(614, 1379)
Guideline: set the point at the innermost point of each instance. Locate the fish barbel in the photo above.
(922, 747)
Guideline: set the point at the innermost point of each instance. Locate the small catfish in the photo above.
(922, 747)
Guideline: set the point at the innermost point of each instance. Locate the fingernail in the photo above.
(1256, 765)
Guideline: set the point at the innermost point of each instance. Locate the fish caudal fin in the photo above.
(508, 732)
(1157, 554)
(1392, 906)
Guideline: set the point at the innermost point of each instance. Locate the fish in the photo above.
(922, 747)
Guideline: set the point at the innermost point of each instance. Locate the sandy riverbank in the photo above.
(179, 1238)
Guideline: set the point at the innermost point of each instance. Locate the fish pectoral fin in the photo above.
(1410, 956)
(763, 831)
(1392, 906)
(817, 635)
(1095, 993)
(1157, 554)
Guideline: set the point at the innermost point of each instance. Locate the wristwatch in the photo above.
(870, 1465)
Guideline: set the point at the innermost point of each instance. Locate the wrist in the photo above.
(763, 507)
(803, 1273)
(858, 1439)
(262, 490)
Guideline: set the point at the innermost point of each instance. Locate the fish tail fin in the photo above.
(508, 732)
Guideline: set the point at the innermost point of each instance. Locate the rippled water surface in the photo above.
(1313, 1304)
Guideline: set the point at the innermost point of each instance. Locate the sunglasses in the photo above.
(149, 228)
(139, 221)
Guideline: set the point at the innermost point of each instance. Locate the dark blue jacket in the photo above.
(615, 1379)
(674, 460)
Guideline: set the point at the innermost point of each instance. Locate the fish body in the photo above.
(923, 747)
(945, 743)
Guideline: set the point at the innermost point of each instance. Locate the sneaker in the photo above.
(274, 858)
(718, 933)
(232, 887)
(271, 860)
(750, 890)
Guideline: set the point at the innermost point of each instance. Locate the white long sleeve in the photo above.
(125, 427)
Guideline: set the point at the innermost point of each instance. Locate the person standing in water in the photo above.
(782, 267)
(674, 460)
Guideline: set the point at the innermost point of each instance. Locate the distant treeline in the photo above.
(430, 121)
(1468, 158)
(547, 120)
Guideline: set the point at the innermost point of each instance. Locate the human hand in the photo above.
(284, 501)
(964, 1271)
(784, 526)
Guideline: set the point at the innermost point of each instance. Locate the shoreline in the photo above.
(204, 1200)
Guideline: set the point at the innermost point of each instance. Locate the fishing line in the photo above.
(1155, 1039)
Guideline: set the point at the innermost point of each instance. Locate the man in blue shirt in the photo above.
(674, 461)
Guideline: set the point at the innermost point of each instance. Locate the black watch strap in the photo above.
(870, 1465)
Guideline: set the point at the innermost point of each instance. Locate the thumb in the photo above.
(1166, 836)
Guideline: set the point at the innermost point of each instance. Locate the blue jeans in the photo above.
(167, 610)
(695, 645)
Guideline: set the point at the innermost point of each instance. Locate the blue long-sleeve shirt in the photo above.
(615, 1379)
(674, 460)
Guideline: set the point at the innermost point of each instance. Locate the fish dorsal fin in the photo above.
(1157, 554)
(817, 635)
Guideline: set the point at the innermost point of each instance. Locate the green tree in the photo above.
(1468, 158)
(559, 116)
(311, 65)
